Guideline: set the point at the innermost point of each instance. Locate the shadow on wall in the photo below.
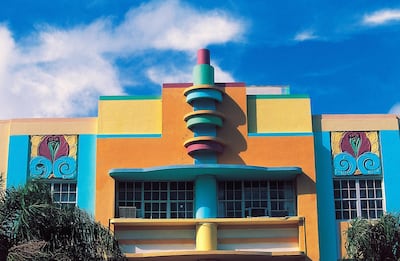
(398, 122)
(251, 115)
(327, 228)
(305, 185)
(235, 142)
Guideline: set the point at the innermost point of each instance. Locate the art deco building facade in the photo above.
(213, 171)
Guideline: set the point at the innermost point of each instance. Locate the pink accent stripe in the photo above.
(205, 146)
(230, 84)
(177, 85)
(189, 84)
(203, 56)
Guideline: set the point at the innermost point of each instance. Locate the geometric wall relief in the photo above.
(355, 153)
(53, 157)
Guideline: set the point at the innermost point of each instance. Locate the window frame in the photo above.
(161, 203)
(359, 199)
(246, 198)
(68, 192)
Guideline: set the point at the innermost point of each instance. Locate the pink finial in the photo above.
(203, 56)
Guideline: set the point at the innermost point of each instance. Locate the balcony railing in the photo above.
(219, 238)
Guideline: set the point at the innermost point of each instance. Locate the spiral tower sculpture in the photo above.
(205, 119)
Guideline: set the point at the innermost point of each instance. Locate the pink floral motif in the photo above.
(53, 147)
(355, 143)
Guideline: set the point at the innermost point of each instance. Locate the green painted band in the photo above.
(204, 119)
(203, 74)
(221, 171)
(203, 112)
(278, 96)
(138, 97)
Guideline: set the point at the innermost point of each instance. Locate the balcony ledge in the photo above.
(220, 255)
(249, 221)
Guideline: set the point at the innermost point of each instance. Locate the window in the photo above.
(157, 199)
(256, 198)
(64, 193)
(358, 198)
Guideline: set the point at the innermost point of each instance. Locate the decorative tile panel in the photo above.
(53, 156)
(356, 153)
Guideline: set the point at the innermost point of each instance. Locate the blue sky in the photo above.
(58, 57)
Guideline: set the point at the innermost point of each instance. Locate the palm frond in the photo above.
(28, 216)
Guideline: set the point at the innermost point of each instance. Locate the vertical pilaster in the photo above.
(390, 146)
(18, 157)
(86, 179)
(206, 197)
(328, 235)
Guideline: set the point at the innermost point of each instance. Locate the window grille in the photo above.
(157, 199)
(64, 193)
(256, 198)
(358, 198)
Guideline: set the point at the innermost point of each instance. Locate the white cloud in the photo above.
(174, 25)
(60, 72)
(171, 74)
(52, 78)
(222, 76)
(305, 36)
(395, 109)
(6, 50)
(382, 17)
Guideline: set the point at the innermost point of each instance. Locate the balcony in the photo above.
(252, 238)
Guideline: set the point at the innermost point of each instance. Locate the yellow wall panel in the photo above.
(4, 140)
(135, 116)
(274, 115)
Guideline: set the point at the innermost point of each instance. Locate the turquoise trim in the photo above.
(205, 197)
(135, 97)
(286, 90)
(278, 96)
(204, 130)
(390, 156)
(206, 158)
(62, 168)
(203, 104)
(328, 234)
(87, 173)
(220, 171)
(279, 134)
(18, 160)
(113, 136)
(196, 94)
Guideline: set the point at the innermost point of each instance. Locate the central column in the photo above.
(206, 237)
(206, 197)
(204, 146)
(203, 121)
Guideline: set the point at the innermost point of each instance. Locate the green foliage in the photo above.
(374, 240)
(33, 227)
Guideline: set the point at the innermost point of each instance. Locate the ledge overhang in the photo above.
(220, 171)
(221, 222)
(221, 255)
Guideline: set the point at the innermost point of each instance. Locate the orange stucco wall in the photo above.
(269, 151)
(142, 152)
(342, 229)
(272, 151)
